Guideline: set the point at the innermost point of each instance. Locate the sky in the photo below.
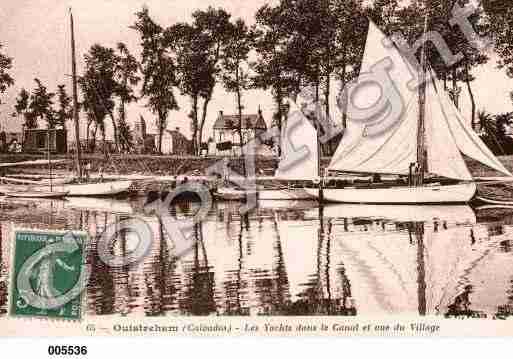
(36, 34)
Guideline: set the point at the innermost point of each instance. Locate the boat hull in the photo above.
(293, 194)
(95, 189)
(231, 194)
(35, 194)
(459, 193)
(450, 213)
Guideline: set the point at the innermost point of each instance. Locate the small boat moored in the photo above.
(35, 194)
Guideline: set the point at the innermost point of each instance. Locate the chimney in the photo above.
(177, 129)
(259, 111)
(220, 113)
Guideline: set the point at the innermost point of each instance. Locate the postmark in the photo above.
(48, 274)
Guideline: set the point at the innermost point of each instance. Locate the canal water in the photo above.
(287, 258)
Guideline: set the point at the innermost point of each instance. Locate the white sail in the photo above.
(466, 139)
(443, 155)
(394, 149)
(299, 157)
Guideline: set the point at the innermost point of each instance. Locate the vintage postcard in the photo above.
(261, 168)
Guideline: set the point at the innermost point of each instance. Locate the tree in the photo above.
(100, 81)
(22, 109)
(6, 80)
(235, 77)
(127, 77)
(309, 43)
(93, 106)
(271, 69)
(158, 71)
(191, 57)
(490, 132)
(65, 109)
(499, 23)
(439, 14)
(198, 48)
(41, 102)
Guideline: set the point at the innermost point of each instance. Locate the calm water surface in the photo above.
(290, 258)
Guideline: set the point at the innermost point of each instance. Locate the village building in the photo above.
(226, 132)
(10, 141)
(175, 143)
(144, 142)
(37, 140)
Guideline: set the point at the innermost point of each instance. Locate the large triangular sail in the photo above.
(299, 157)
(466, 139)
(443, 155)
(391, 150)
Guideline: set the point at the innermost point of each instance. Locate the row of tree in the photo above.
(42, 105)
(293, 45)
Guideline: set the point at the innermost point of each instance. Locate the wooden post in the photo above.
(319, 164)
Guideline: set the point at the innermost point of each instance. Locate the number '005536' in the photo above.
(66, 350)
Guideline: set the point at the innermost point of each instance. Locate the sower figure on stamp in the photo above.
(44, 276)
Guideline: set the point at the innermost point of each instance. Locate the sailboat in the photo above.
(430, 135)
(78, 186)
(298, 135)
(30, 192)
(104, 188)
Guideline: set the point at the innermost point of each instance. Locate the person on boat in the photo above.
(87, 170)
(100, 173)
(461, 304)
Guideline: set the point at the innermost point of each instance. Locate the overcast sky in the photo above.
(36, 34)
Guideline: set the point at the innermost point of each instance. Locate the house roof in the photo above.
(177, 133)
(255, 121)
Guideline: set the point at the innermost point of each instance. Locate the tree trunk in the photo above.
(115, 128)
(279, 100)
(455, 88)
(471, 95)
(344, 99)
(203, 117)
(93, 147)
(161, 131)
(124, 141)
(87, 134)
(196, 147)
(239, 106)
(327, 110)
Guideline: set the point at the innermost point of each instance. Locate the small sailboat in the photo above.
(35, 192)
(84, 188)
(78, 186)
(297, 136)
(28, 193)
(423, 147)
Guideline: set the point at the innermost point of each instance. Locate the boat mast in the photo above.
(421, 145)
(49, 158)
(78, 159)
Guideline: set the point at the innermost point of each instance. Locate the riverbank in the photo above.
(157, 173)
(152, 165)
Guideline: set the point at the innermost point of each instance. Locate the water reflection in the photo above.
(290, 259)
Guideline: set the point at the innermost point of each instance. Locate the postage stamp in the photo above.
(48, 274)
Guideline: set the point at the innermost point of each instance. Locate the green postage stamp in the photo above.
(48, 274)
